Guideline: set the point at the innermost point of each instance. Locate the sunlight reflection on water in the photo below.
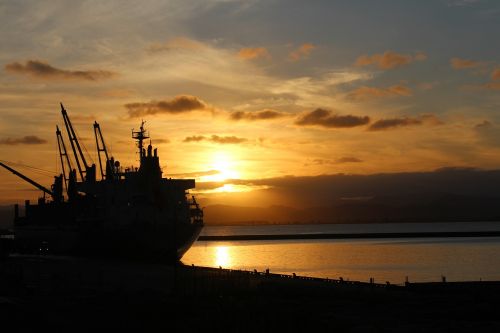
(385, 260)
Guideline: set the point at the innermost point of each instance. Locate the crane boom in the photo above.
(32, 182)
(75, 145)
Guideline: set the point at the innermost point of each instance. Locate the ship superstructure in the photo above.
(127, 212)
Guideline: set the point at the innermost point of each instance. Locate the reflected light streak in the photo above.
(222, 257)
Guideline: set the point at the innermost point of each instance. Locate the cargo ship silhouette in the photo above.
(127, 212)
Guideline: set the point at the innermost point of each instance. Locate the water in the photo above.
(420, 259)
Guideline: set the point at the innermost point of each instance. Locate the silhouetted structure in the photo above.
(129, 211)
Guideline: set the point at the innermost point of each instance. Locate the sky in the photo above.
(237, 92)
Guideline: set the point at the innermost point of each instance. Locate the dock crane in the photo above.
(77, 150)
(55, 193)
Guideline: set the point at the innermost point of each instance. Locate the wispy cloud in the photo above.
(249, 53)
(389, 59)
(341, 160)
(43, 70)
(328, 119)
(459, 63)
(301, 52)
(373, 92)
(26, 140)
(266, 114)
(177, 105)
(196, 174)
(216, 139)
(392, 123)
(178, 43)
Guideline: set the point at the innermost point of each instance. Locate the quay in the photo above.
(61, 293)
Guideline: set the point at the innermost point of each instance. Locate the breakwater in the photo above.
(371, 235)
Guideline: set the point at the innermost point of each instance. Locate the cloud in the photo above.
(196, 174)
(194, 138)
(389, 59)
(494, 85)
(161, 141)
(226, 139)
(43, 70)
(177, 105)
(458, 63)
(215, 139)
(488, 133)
(302, 52)
(257, 115)
(178, 43)
(248, 53)
(391, 123)
(26, 140)
(372, 92)
(341, 160)
(495, 75)
(326, 118)
(348, 160)
(428, 85)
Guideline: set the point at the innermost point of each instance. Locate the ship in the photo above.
(109, 211)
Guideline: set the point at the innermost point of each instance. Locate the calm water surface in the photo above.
(421, 259)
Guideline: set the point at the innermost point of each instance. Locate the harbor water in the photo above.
(394, 260)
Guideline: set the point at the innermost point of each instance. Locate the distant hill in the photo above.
(449, 194)
(439, 208)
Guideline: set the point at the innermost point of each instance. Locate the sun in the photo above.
(224, 164)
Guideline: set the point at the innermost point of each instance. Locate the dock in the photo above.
(79, 294)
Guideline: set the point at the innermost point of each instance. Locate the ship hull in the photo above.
(165, 243)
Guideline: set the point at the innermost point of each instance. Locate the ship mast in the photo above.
(140, 136)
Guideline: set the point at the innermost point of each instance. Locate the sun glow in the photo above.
(225, 165)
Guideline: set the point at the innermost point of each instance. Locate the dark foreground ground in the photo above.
(40, 293)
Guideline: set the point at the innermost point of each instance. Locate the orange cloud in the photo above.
(302, 52)
(26, 140)
(372, 92)
(494, 85)
(248, 53)
(326, 118)
(458, 63)
(391, 123)
(257, 115)
(495, 75)
(215, 139)
(389, 59)
(43, 70)
(179, 104)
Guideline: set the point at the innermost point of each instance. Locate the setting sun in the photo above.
(225, 165)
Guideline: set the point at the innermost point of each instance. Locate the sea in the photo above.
(394, 260)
